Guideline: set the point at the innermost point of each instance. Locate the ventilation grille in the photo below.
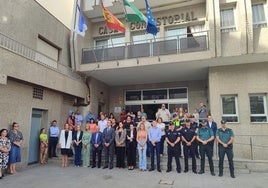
(38, 93)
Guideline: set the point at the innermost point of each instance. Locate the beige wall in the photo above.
(241, 80)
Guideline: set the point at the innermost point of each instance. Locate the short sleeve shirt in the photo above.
(188, 133)
(226, 135)
(205, 133)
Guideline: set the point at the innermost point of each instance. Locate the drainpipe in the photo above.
(215, 31)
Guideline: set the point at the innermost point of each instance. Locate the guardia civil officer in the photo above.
(188, 136)
(225, 139)
(205, 136)
(173, 141)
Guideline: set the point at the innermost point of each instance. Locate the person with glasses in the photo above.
(16, 139)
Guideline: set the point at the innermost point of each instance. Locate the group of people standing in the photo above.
(10, 143)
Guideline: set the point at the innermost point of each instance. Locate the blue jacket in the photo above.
(99, 141)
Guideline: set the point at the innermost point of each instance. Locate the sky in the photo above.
(61, 9)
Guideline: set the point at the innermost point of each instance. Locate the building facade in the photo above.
(211, 51)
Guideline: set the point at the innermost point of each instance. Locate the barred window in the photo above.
(38, 93)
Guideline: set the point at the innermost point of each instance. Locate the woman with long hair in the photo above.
(131, 147)
(92, 125)
(142, 136)
(120, 142)
(72, 121)
(65, 144)
(86, 146)
(77, 144)
(43, 146)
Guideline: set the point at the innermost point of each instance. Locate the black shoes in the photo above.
(213, 174)
(168, 170)
(201, 172)
(185, 171)
(194, 172)
(232, 175)
(93, 166)
(105, 167)
(179, 171)
(151, 169)
(159, 170)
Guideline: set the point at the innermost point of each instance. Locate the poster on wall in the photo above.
(117, 109)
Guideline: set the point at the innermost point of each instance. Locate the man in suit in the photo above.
(96, 145)
(108, 143)
(213, 125)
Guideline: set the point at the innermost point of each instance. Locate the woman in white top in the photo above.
(162, 126)
(65, 144)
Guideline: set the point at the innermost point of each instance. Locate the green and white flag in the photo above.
(132, 13)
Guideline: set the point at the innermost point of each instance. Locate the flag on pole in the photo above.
(81, 26)
(151, 25)
(132, 13)
(111, 21)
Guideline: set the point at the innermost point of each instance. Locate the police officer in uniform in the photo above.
(225, 139)
(205, 136)
(173, 141)
(188, 136)
(195, 126)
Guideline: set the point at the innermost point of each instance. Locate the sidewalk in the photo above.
(52, 175)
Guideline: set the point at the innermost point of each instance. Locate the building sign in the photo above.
(164, 20)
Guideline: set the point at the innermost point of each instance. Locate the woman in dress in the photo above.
(65, 144)
(16, 138)
(86, 146)
(43, 146)
(131, 147)
(5, 147)
(120, 142)
(77, 144)
(142, 136)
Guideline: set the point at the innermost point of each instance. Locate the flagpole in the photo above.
(74, 33)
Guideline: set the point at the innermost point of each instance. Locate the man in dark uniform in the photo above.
(173, 140)
(195, 126)
(188, 136)
(205, 136)
(225, 139)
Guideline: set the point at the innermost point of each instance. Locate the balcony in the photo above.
(194, 42)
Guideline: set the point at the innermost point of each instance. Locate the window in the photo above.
(112, 42)
(47, 48)
(133, 95)
(141, 37)
(227, 20)
(38, 93)
(180, 93)
(154, 94)
(258, 14)
(229, 108)
(175, 33)
(258, 108)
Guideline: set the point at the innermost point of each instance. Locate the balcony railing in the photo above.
(147, 48)
(26, 52)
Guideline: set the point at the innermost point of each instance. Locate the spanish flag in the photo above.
(111, 21)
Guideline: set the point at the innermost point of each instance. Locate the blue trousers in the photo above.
(155, 149)
(77, 156)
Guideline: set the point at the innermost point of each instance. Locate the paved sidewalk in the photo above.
(52, 175)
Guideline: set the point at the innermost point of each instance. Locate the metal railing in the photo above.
(147, 48)
(26, 52)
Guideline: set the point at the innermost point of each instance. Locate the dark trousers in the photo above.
(195, 143)
(77, 156)
(94, 153)
(155, 149)
(173, 152)
(206, 150)
(120, 157)
(109, 155)
(53, 141)
(163, 137)
(186, 151)
(230, 155)
(131, 154)
(148, 148)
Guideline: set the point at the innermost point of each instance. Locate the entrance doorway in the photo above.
(33, 154)
(151, 110)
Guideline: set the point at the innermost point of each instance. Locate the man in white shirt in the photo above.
(102, 123)
(164, 113)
